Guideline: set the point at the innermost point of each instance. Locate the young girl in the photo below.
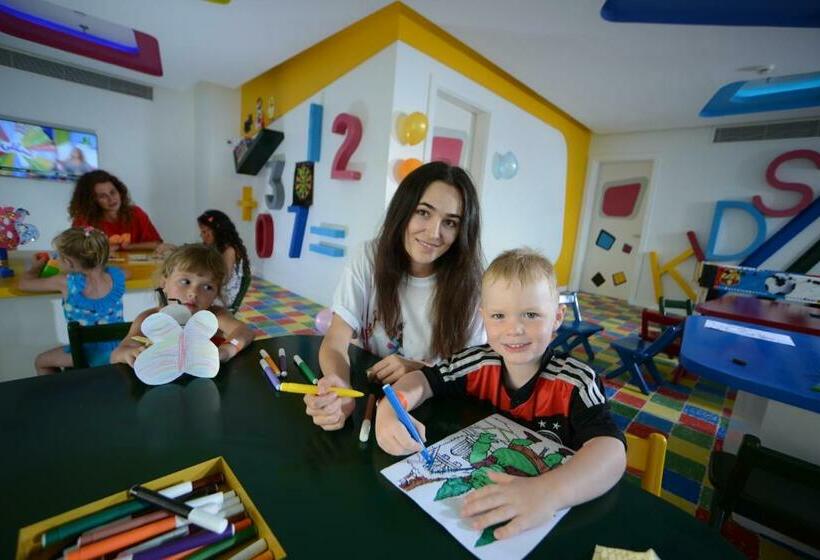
(216, 229)
(191, 275)
(92, 292)
(412, 295)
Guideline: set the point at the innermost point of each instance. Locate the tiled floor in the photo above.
(693, 415)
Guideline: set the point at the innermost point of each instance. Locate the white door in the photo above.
(611, 259)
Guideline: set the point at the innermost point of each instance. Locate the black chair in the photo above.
(240, 295)
(79, 335)
(768, 487)
(685, 304)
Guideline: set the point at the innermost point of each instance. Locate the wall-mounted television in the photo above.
(39, 151)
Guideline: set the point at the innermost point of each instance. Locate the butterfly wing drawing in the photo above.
(176, 350)
(159, 363)
(201, 356)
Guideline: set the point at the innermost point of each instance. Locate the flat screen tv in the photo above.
(41, 151)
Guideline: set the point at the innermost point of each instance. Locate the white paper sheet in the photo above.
(459, 463)
(749, 332)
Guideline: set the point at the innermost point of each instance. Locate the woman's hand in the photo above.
(328, 410)
(392, 368)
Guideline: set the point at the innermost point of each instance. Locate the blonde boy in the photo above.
(559, 397)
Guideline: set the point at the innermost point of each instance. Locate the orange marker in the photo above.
(270, 362)
(126, 539)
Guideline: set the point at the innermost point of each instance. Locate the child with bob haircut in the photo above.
(191, 275)
(561, 398)
(92, 292)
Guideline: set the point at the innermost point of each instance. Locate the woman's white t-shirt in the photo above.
(355, 303)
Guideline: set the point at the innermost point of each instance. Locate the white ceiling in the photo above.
(612, 77)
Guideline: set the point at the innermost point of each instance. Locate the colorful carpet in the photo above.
(693, 414)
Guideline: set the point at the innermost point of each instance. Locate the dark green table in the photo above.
(78, 436)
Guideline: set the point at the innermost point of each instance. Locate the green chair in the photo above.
(79, 335)
(685, 304)
(240, 295)
(768, 487)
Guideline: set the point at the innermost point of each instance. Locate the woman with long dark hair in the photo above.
(101, 200)
(217, 229)
(412, 294)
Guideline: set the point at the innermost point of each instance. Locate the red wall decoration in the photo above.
(264, 235)
(345, 123)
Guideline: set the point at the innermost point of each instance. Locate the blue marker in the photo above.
(405, 419)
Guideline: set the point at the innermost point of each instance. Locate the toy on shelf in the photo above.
(13, 233)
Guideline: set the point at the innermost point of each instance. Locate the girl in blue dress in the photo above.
(92, 292)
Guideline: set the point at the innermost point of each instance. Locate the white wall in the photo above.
(147, 144)
(365, 92)
(217, 185)
(691, 173)
(526, 210)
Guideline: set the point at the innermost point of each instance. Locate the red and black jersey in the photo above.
(564, 400)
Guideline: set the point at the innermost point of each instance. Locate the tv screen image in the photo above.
(45, 152)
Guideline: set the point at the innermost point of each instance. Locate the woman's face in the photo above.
(433, 227)
(107, 197)
(206, 234)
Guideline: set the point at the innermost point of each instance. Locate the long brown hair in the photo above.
(458, 271)
(225, 235)
(83, 206)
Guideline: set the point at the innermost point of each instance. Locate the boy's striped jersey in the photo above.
(564, 401)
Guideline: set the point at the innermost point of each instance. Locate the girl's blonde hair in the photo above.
(197, 259)
(85, 245)
(524, 266)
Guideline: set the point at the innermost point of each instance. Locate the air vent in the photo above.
(20, 61)
(769, 131)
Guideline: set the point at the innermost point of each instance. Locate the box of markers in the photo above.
(119, 525)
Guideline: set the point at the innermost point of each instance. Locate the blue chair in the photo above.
(635, 352)
(572, 333)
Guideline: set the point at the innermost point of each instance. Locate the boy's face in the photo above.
(192, 290)
(520, 320)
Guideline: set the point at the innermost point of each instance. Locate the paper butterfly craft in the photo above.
(176, 350)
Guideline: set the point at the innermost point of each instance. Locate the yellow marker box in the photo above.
(29, 537)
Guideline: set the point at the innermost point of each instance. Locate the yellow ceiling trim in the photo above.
(307, 73)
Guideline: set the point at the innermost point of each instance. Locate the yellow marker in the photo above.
(142, 340)
(313, 390)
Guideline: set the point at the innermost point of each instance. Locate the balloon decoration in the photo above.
(411, 129)
(404, 167)
(323, 319)
(13, 233)
(505, 166)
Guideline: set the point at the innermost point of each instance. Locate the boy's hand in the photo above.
(392, 368)
(226, 352)
(520, 501)
(129, 354)
(391, 434)
(328, 410)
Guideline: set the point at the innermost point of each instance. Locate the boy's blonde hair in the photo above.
(85, 245)
(524, 266)
(197, 259)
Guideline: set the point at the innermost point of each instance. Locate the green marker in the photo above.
(305, 369)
